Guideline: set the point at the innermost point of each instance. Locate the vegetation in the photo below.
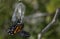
(45, 6)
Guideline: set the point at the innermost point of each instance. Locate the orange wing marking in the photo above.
(18, 29)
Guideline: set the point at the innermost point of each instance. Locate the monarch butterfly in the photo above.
(18, 28)
(18, 18)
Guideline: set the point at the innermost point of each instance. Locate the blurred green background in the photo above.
(44, 6)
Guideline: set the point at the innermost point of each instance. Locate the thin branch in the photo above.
(49, 25)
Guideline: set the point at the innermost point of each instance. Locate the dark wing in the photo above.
(24, 34)
(15, 29)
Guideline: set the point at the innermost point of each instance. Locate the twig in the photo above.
(49, 25)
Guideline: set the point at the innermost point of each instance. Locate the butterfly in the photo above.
(18, 28)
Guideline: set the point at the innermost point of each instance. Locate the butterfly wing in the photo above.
(24, 34)
(15, 29)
